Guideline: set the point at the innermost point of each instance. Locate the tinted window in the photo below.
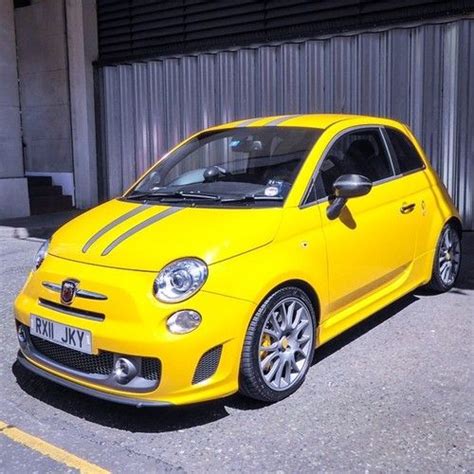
(405, 153)
(360, 152)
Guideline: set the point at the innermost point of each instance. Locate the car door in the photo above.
(370, 246)
(411, 172)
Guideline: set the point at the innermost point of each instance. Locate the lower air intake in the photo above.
(90, 364)
(151, 369)
(207, 365)
(101, 364)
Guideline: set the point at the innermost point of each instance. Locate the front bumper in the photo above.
(137, 402)
(134, 323)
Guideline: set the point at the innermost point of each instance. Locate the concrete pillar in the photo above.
(13, 185)
(81, 18)
(44, 91)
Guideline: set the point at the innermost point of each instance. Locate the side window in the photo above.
(405, 153)
(360, 152)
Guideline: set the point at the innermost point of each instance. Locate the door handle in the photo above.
(406, 208)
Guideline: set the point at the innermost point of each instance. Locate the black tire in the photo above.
(438, 283)
(252, 383)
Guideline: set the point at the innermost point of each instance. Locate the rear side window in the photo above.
(405, 153)
(359, 152)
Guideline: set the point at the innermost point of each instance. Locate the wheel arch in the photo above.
(304, 286)
(456, 223)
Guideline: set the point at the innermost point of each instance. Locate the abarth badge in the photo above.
(68, 291)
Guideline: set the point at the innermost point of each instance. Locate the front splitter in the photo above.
(136, 402)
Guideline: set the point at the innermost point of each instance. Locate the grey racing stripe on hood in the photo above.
(113, 224)
(139, 227)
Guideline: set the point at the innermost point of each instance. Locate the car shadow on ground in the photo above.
(156, 420)
(363, 327)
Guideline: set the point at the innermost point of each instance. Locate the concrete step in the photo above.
(46, 204)
(39, 181)
(45, 191)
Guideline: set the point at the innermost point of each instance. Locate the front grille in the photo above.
(82, 313)
(90, 364)
(207, 365)
(151, 369)
(101, 364)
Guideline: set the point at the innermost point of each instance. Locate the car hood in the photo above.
(128, 235)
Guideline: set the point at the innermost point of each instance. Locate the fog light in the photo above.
(183, 322)
(124, 370)
(22, 334)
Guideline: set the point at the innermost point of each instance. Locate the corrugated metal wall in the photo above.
(423, 76)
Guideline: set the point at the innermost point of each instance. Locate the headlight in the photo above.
(41, 254)
(179, 280)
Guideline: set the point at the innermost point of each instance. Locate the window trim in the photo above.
(303, 204)
(388, 148)
(394, 155)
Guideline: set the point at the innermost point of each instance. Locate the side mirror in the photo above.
(345, 187)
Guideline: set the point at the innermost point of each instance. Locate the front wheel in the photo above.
(279, 346)
(447, 260)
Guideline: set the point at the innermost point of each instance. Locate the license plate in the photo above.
(66, 336)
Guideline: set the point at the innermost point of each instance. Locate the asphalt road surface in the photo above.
(393, 394)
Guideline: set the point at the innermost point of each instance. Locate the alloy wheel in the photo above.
(449, 256)
(286, 344)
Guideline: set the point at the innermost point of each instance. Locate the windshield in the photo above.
(243, 166)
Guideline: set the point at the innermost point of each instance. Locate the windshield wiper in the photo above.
(163, 195)
(252, 198)
(182, 195)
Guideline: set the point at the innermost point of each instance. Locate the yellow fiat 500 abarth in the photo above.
(239, 252)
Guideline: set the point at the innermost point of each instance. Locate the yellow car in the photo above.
(239, 252)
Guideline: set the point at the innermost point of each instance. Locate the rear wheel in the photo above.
(447, 260)
(279, 346)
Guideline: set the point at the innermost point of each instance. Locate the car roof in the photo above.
(320, 121)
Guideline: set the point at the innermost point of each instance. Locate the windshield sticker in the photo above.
(271, 191)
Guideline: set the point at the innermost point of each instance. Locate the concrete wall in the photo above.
(46, 53)
(44, 86)
(13, 187)
(82, 52)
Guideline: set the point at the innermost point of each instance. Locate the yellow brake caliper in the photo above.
(266, 342)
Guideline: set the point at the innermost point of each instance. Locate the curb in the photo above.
(38, 226)
(7, 232)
